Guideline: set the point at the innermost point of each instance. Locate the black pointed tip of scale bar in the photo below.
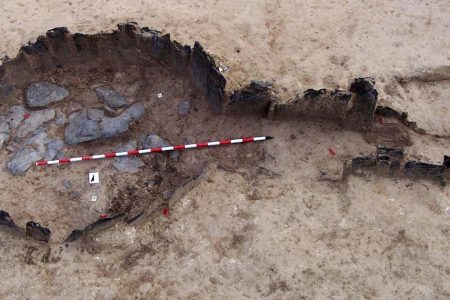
(269, 137)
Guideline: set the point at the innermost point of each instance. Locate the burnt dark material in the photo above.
(386, 111)
(423, 170)
(180, 57)
(392, 154)
(365, 98)
(38, 232)
(57, 33)
(206, 77)
(77, 233)
(36, 48)
(160, 47)
(363, 162)
(312, 93)
(5, 220)
(446, 163)
(254, 98)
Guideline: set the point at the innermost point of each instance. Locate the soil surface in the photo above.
(249, 221)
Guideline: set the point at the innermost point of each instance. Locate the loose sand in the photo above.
(242, 231)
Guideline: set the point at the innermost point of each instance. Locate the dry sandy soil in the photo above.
(257, 223)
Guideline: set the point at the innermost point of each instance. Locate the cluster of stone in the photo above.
(25, 130)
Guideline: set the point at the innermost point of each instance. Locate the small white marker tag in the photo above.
(94, 198)
(160, 95)
(220, 69)
(94, 178)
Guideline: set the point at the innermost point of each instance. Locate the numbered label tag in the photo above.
(94, 178)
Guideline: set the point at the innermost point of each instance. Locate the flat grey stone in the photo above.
(15, 116)
(43, 93)
(67, 184)
(111, 97)
(136, 111)
(110, 127)
(95, 114)
(23, 160)
(74, 195)
(128, 164)
(130, 145)
(36, 119)
(81, 129)
(184, 107)
(39, 140)
(53, 147)
(154, 141)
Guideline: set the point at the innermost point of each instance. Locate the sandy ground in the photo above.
(243, 233)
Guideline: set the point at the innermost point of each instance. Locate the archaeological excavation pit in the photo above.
(72, 95)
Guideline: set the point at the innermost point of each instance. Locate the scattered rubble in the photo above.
(41, 94)
(111, 98)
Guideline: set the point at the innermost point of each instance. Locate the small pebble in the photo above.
(74, 195)
(67, 184)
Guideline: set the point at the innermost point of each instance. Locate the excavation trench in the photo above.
(182, 98)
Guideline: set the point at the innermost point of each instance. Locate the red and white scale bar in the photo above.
(153, 150)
